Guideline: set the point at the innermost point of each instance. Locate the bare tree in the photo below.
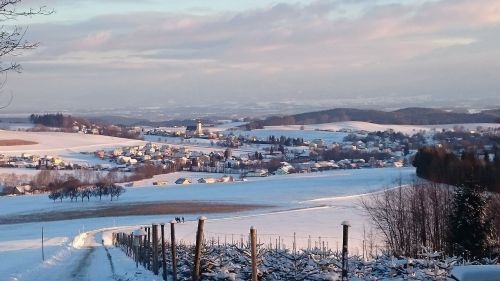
(115, 191)
(411, 217)
(12, 37)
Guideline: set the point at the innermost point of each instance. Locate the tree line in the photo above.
(50, 120)
(73, 189)
(440, 165)
(453, 220)
(451, 209)
(282, 140)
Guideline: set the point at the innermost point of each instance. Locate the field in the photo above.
(315, 204)
(14, 142)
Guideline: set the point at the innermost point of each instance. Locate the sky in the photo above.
(155, 53)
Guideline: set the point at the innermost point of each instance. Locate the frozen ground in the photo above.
(307, 204)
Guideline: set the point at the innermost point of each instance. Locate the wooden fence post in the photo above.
(253, 244)
(172, 245)
(294, 244)
(345, 260)
(145, 251)
(163, 255)
(43, 252)
(197, 254)
(155, 248)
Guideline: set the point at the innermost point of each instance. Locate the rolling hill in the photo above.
(405, 116)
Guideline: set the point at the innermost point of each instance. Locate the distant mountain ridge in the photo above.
(131, 121)
(405, 116)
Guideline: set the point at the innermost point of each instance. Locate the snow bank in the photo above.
(31, 244)
(79, 240)
(477, 273)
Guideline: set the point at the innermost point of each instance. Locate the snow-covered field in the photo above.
(371, 127)
(61, 144)
(307, 204)
(306, 134)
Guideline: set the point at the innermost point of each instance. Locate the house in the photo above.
(23, 189)
(160, 182)
(257, 173)
(284, 170)
(117, 152)
(183, 181)
(207, 180)
(123, 159)
(100, 154)
(226, 179)
(56, 161)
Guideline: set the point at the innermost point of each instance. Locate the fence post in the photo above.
(197, 254)
(155, 248)
(148, 248)
(253, 244)
(43, 252)
(145, 251)
(345, 261)
(172, 245)
(163, 256)
(294, 243)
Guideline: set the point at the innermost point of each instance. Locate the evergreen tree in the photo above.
(496, 160)
(469, 227)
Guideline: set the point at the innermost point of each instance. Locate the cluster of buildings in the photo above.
(27, 160)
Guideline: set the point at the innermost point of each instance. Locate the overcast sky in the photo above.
(121, 53)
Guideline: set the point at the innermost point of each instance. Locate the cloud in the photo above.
(322, 48)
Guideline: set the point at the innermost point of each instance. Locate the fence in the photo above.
(249, 257)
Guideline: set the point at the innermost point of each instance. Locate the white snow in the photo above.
(61, 144)
(477, 273)
(296, 212)
(311, 206)
(371, 127)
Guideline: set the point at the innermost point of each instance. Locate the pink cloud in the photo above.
(94, 40)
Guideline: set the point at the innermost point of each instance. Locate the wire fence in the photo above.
(225, 256)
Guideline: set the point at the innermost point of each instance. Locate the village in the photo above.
(236, 154)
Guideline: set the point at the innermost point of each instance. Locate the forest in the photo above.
(440, 165)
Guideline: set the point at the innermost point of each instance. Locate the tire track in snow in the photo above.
(80, 272)
(110, 259)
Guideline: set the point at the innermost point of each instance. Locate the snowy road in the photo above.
(89, 258)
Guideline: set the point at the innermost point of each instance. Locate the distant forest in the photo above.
(57, 120)
(66, 123)
(442, 166)
(406, 116)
